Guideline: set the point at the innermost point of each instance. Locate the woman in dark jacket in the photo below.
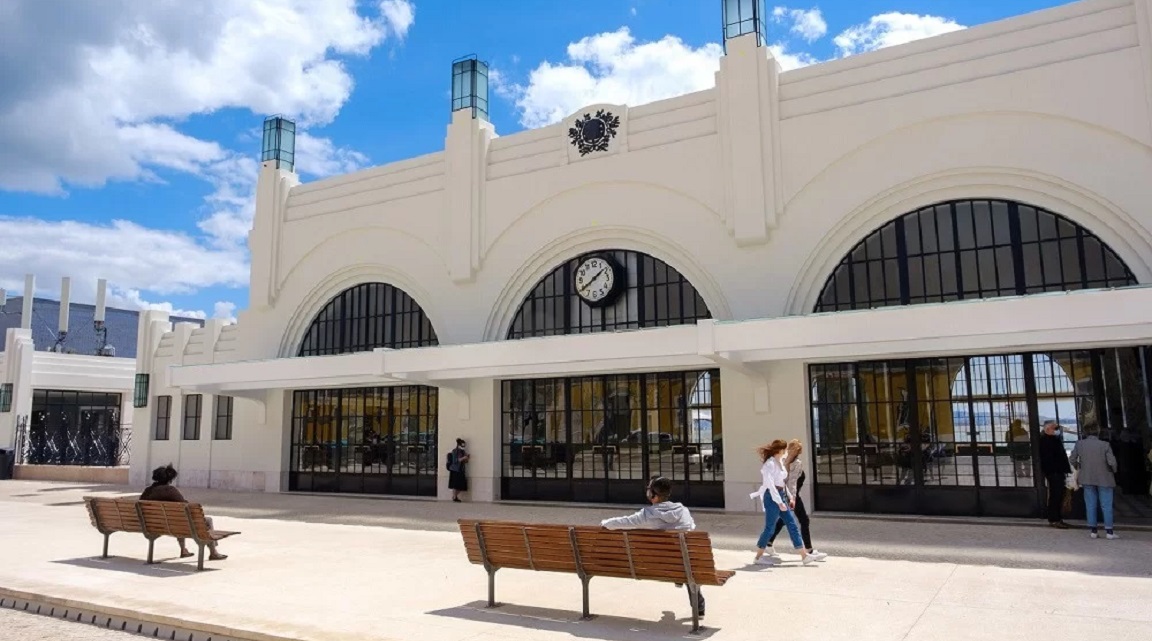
(163, 490)
(457, 470)
(1055, 468)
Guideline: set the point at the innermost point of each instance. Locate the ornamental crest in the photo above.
(592, 133)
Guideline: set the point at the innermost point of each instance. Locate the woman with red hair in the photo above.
(778, 502)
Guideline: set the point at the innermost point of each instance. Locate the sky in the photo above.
(129, 129)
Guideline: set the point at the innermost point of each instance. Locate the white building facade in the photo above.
(907, 259)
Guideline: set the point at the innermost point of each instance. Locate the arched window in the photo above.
(367, 316)
(645, 292)
(971, 249)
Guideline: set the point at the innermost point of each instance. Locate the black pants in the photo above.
(701, 607)
(1056, 491)
(802, 518)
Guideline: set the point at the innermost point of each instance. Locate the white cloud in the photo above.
(809, 25)
(320, 157)
(790, 60)
(890, 29)
(132, 299)
(102, 95)
(400, 14)
(612, 67)
(225, 310)
(74, 94)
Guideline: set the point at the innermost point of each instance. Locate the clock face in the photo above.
(596, 280)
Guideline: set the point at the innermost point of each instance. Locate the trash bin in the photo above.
(7, 463)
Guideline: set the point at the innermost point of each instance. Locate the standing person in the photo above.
(662, 514)
(457, 470)
(163, 490)
(1055, 468)
(1097, 474)
(777, 502)
(794, 463)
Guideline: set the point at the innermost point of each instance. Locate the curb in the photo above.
(111, 618)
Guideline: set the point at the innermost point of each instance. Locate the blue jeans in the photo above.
(1095, 495)
(772, 514)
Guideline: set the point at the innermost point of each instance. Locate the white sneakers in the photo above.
(1111, 536)
(771, 558)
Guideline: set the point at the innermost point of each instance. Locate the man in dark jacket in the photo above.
(1055, 468)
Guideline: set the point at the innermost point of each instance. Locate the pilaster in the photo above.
(272, 190)
(466, 163)
(748, 90)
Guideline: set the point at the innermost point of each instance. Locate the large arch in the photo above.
(963, 249)
(1104, 219)
(612, 214)
(365, 316)
(847, 192)
(653, 294)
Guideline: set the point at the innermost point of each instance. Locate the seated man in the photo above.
(163, 490)
(662, 514)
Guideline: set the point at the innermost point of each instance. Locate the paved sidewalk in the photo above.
(313, 568)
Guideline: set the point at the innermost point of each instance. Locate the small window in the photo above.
(6, 397)
(140, 393)
(222, 429)
(163, 417)
(193, 404)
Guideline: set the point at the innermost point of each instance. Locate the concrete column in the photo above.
(473, 414)
(745, 429)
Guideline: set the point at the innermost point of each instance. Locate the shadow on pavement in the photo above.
(159, 570)
(569, 622)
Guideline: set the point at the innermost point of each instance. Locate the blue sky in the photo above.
(128, 134)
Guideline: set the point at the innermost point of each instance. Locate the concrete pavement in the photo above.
(314, 568)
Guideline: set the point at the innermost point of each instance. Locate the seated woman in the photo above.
(162, 490)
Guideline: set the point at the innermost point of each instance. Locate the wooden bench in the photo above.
(643, 555)
(153, 519)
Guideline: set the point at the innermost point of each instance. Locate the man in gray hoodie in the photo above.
(662, 514)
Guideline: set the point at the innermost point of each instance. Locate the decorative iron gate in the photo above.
(73, 428)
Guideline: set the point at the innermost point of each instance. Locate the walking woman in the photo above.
(794, 463)
(777, 502)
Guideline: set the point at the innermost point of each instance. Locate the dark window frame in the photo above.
(140, 390)
(365, 317)
(193, 412)
(970, 249)
(6, 397)
(222, 424)
(655, 295)
(162, 423)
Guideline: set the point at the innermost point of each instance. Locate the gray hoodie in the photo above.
(662, 516)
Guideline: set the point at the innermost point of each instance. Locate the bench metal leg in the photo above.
(151, 546)
(492, 588)
(106, 537)
(584, 581)
(200, 561)
(694, 594)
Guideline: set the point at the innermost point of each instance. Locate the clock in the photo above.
(598, 280)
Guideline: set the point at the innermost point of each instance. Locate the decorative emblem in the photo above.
(592, 133)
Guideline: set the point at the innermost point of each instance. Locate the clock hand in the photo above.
(591, 281)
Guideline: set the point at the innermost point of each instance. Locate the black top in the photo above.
(1053, 458)
(162, 492)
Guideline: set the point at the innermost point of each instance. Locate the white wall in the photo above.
(29, 370)
(754, 190)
